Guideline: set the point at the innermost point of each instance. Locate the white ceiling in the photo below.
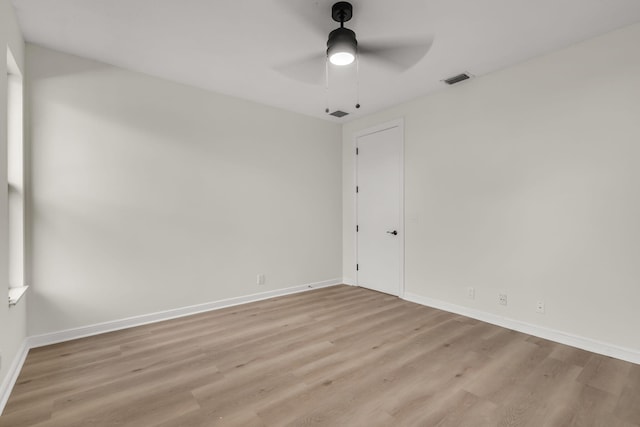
(241, 47)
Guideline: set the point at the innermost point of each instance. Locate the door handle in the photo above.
(394, 232)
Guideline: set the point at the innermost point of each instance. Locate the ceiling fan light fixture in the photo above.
(342, 46)
(342, 58)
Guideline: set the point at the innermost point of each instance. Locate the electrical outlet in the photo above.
(261, 279)
(471, 293)
(540, 307)
(502, 299)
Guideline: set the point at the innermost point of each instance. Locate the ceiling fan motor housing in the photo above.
(340, 38)
(342, 46)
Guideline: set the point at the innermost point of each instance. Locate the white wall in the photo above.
(149, 195)
(527, 181)
(12, 320)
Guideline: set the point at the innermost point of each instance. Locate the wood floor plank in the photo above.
(628, 407)
(339, 356)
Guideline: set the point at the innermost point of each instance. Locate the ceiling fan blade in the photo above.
(315, 15)
(398, 55)
(310, 69)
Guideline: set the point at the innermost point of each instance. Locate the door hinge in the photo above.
(357, 189)
(357, 151)
(357, 267)
(357, 228)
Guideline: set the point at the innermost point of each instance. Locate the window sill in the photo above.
(15, 294)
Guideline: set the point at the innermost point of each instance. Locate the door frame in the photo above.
(399, 123)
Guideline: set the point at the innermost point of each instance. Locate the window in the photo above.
(15, 179)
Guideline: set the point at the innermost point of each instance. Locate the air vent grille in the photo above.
(338, 113)
(457, 79)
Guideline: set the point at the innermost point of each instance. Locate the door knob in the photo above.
(394, 232)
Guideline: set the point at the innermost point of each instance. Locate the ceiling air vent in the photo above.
(457, 79)
(338, 113)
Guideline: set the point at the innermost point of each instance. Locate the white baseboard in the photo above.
(12, 375)
(70, 334)
(583, 343)
(100, 328)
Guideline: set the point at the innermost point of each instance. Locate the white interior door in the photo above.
(380, 237)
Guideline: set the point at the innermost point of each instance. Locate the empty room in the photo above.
(311, 212)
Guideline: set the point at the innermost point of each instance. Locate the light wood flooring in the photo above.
(339, 356)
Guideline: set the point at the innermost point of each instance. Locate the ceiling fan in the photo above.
(342, 45)
(343, 49)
